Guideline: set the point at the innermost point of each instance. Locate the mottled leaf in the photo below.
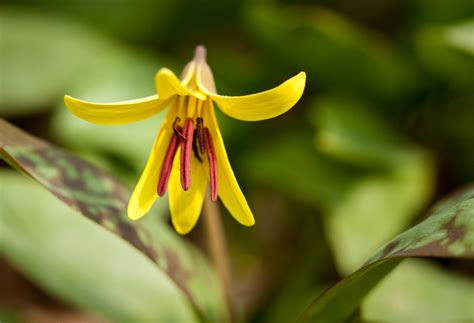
(100, 197)
(79, 262)
(448, 233)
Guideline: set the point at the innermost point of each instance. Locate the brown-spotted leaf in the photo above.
(100, 197)
(448, 232)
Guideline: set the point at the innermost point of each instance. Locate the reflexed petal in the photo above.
(185, 206)
(187, 73)
(228, 188)
(205, 78)
(259, 106)
(145, 193)
(118, 112)
(168, 84)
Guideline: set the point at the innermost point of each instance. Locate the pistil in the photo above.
(186, 148)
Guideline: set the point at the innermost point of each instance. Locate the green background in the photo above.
(385, 128)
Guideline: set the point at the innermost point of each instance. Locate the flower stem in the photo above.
(217, 248)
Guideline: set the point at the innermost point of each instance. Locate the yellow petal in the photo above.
(145, 193)
(259, 106)
(228, 188)
(118, 112)
(188, 73)
(205, 78)
(185, 206)
(168, 84)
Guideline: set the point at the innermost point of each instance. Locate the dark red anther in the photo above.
(195, 147)
(211, 155)
(200, 135)
(168, 161)
(186, 149)
(177, 129)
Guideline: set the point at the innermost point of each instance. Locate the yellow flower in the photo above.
(189, 152)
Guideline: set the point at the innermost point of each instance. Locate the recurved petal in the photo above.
(118, 112)
(187, 73)
(205, 78)
(145, 193)
(263, 105)
(228, 188)
(168, 84)
(185, 206)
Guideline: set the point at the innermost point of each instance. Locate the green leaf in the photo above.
(338, 52)
(101, 198)
(401, 176)
(439, 295)
(291, 165)
(79, 261)
(349, 130)
(460, 37)
(375, 209)
(367, 180)
(65, 53)
(448, 52)
(141, 20)
(37, 78)
(437, 12)
(448, 232)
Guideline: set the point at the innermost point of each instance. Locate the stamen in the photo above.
(168, 161)
(195, 147)
(177, 129)
(181, 104)
(191, 108)
(211, 155)
(200, 135)
(199, 107)
(186, 147)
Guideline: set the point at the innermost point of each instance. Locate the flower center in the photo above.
(195, 140)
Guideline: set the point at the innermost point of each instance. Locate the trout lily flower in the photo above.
(188, 153)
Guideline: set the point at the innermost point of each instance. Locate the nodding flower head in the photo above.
(189, 154)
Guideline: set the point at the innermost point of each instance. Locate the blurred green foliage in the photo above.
(384, 128)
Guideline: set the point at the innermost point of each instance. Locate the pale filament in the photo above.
(198, 112)
(181, 103)
(191, 106)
